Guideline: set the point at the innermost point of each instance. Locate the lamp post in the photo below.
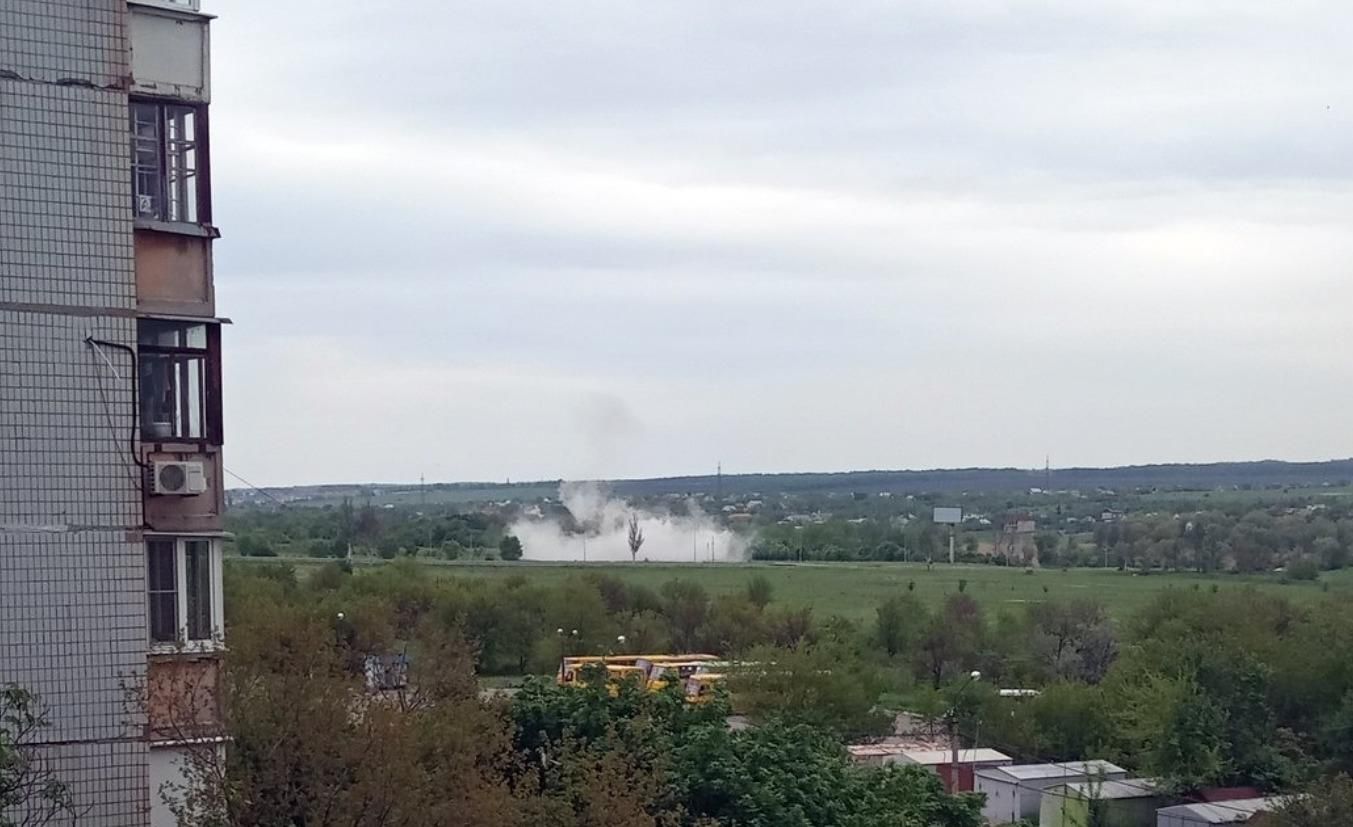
(565, 648)
(952, 781)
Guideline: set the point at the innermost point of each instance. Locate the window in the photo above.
(169, 162)
(183, 588)
(162, 588)
(179, 381)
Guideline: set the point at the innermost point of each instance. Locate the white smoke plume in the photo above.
(668, 537)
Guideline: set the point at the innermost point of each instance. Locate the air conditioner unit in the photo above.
(178, 478)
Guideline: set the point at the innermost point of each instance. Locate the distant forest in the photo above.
(1259, 474)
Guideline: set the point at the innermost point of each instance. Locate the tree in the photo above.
(897, 622)
(1336, 734)
(1073, 639)
(951, 639)
(1046, 542)
(733, 626)
(30, 793)
(760, 591)
(822, 686)
(1328, 803)
(888, 551)
(252, 544)
(635, 537)
(795, 775)
(686, 605)
(310, 743)
(509, 548)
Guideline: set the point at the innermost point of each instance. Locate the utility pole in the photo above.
(951, 783)
(718, 481)
(951, 545)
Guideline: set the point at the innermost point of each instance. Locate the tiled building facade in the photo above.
(94, 267)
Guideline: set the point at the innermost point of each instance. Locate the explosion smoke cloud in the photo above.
(603, 520)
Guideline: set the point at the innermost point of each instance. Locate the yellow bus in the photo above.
(570, 668)
(700, 687)
(663, 672)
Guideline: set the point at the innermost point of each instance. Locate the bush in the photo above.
(1305, 570)
(509, 548)
(251, 545)
(759, 591)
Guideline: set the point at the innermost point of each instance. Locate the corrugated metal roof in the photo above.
(980, 755)
(1124, 788)
(1222, 812)
(1071, 770)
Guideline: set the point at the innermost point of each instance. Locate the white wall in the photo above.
(170, 54)
(166, 772)
(1001, 806)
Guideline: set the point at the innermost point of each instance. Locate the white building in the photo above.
(1015, 792)
(111, 489)
(1131, 802)
(1219, 812)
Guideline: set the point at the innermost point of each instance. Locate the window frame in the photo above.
(202, 160)
(212, 431)
(182, 622)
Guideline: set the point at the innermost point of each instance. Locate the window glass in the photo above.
(173, 365)
(147, 172)
(171, 396)
(181, 163)
(160, 333)
(165, 149)
(162, 590)
(197, 568)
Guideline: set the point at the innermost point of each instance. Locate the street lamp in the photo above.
(567, 643)
(952, 715)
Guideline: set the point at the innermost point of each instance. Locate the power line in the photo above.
(255, 487)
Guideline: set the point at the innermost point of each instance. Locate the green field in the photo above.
(854, 589)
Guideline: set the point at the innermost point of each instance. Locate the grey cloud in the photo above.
(609, 238)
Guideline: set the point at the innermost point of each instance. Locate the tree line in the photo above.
(311, 745)
(336, 531)
(1301, 540)
(1200, 687)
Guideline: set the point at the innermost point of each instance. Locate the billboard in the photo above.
(948, 515)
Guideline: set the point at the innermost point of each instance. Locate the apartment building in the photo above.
(110, 394)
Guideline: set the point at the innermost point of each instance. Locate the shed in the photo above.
(1128, 802)
(1015, 792)
(957, 778)
(1235, 811)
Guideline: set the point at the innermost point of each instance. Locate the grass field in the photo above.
(854, 589)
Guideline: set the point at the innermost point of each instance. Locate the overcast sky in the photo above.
(530, 240)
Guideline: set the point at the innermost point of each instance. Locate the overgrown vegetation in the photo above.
(311, 745)
(1198, 688)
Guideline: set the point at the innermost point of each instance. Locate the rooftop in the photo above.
(1222, 812)
(965, 756)
(1126, 788)
(1071, 770)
